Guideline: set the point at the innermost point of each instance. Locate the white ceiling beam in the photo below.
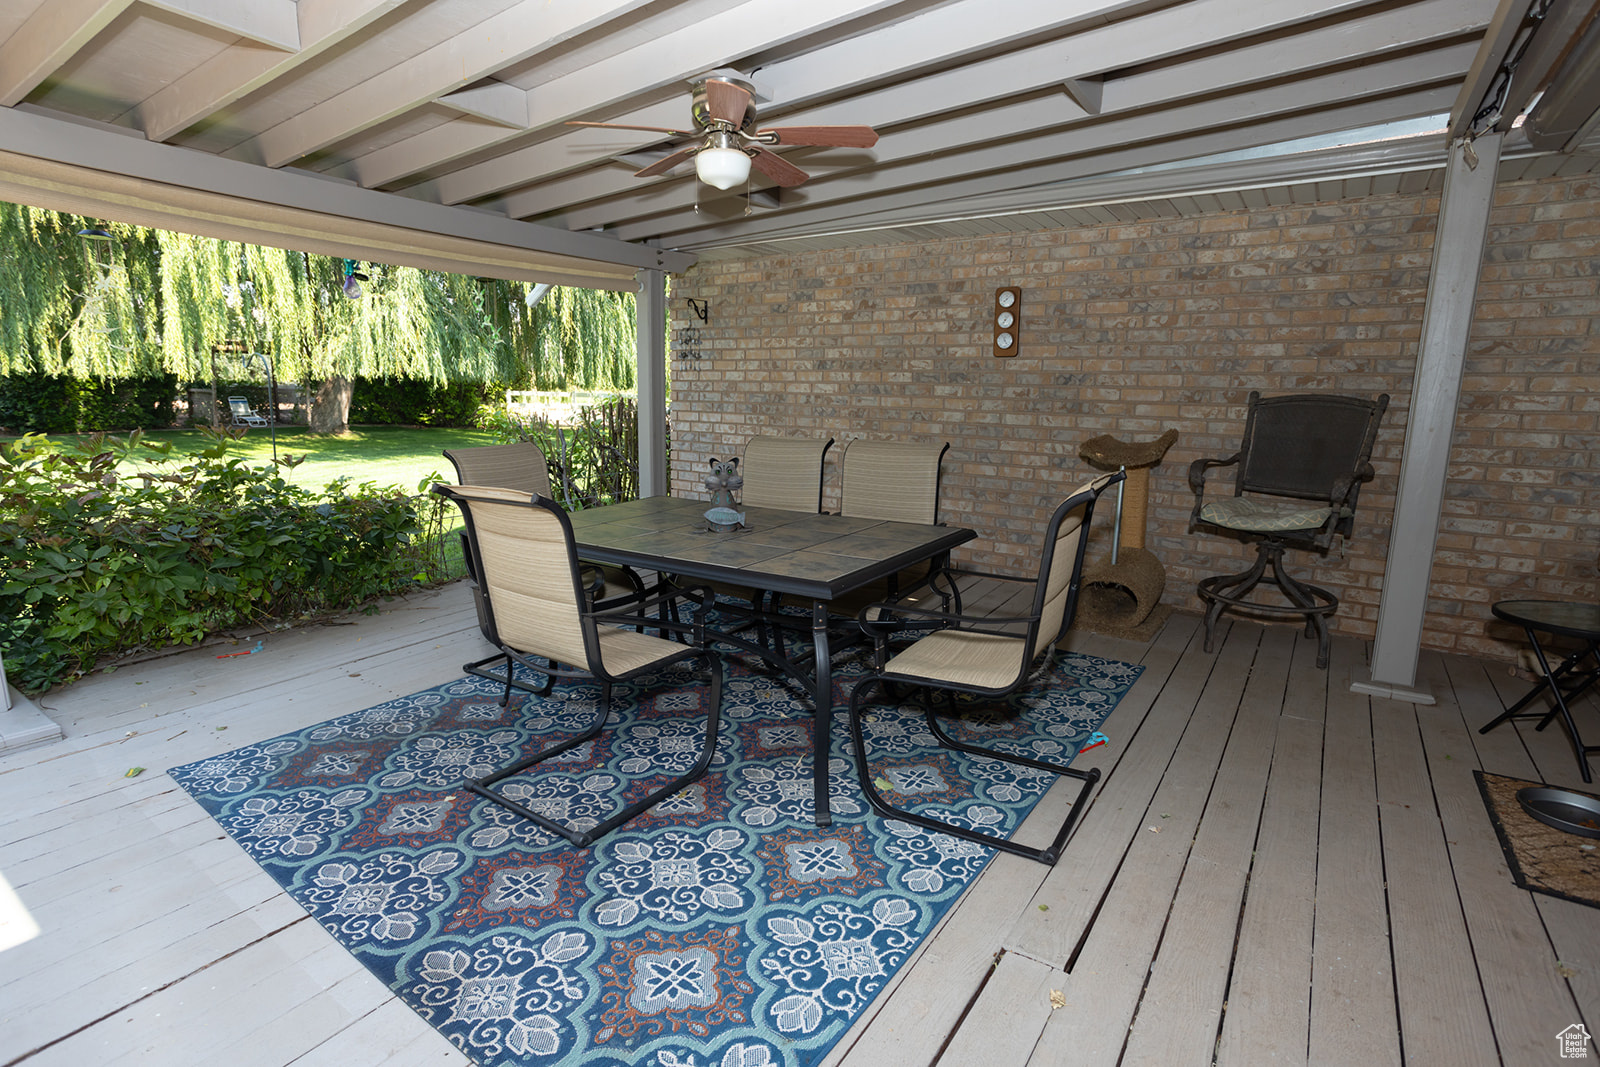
(242, 68)
(934, 36)
(1003, 163)
(1163, 86)
(891, 209)
(1343, 163)
(497, 102)
(1204, 24)
(31, 134)
(500, 41)
(1087, 93)
(270, 22)
(51, 36)
(668, 60)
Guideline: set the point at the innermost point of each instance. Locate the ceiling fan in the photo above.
(726, 143)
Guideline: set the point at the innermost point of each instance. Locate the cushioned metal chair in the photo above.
(522, 466)
(977, 652)
(539, 618)
(1299, 470)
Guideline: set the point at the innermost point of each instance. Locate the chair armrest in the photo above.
(1197, 481)
(634, 612)
(1197, 470)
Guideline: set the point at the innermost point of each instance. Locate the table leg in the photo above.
(1552, 678)
(822, 723)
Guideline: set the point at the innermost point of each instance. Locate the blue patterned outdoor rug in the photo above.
(720, 928)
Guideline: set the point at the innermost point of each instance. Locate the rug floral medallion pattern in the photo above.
(723, 927)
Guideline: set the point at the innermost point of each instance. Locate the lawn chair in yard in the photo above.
(539, 617)
(522, 467)
(242, 414)
(987, 650)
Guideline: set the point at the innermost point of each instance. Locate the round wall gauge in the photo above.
(1007, 320)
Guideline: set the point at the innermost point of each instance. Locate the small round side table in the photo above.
(1567, 682)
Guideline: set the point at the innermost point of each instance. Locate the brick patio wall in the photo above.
(1133, 328)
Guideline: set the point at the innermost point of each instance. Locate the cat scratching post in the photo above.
(1123, 597)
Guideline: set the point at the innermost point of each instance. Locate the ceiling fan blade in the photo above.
(620, 126)
(661, 166)
(835, 136)
(777, 168)
(726, 101)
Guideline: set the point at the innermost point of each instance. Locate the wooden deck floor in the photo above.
(1274, 870)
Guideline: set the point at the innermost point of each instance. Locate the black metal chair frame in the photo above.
(1286, 451)
(636, 618)
(884, 621)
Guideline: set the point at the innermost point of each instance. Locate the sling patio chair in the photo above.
(979, 653)
(540, 619)
(898, 481)
(784, 473)
(1299, 470)
(522, 466)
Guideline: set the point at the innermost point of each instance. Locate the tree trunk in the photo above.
(330, 407)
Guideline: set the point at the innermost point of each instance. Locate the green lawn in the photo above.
(385, 455)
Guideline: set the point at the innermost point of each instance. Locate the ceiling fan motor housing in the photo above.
(700, 110)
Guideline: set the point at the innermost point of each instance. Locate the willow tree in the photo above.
(144, 301)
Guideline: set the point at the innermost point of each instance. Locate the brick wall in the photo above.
(1134, 328)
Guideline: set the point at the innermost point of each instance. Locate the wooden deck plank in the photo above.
(1353, 1014)
(1443, 1017)
(1016, 1002)
(1109, 975)
(1181, 1011)
(1529, 1001)
(912, 1019)
(1075, 890)
(387, 1036)
(1271, 980)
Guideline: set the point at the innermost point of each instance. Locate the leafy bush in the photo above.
(42, 403)
(412, 402)
(96, 564)
(594, 462)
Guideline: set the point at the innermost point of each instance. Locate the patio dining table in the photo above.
(813, 557)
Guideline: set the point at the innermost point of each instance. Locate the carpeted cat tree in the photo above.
(1122, 598)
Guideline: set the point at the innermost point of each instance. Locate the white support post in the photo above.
(1446, 322)
(652, 348)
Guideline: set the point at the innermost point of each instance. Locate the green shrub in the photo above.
(41, 403)
(413, 402)
(97, 564)
(595, 461)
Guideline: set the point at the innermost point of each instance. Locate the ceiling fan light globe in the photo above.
(722, 167)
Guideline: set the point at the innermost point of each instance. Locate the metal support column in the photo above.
(652, 348)
(1446, 322)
